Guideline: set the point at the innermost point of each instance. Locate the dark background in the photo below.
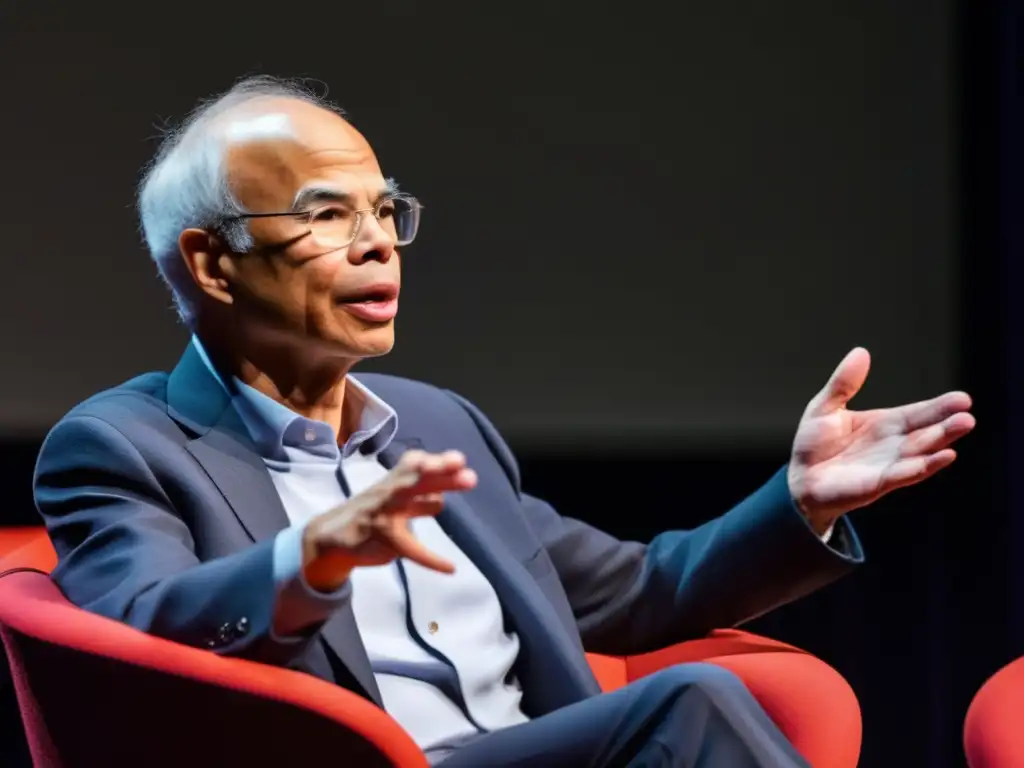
(651, 233)
(639, 227)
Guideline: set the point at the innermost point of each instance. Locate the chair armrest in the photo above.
(53, 644)
(33, 550)
(721, 642)
(13, 537)
(793, 686)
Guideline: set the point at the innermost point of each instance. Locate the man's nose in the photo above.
(372, 242)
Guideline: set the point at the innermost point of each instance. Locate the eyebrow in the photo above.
(325, 193)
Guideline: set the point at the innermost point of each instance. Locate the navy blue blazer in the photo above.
(163, 516)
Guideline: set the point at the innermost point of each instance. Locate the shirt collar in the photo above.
(275, 428)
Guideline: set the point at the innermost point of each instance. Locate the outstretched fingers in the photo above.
(427, 485)
(395, 529)
(409, 547)
(925, 413)
(927, 450)
(419, 473)
(933, 438)
(913, 470)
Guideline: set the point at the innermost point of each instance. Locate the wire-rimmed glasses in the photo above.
(336, 225)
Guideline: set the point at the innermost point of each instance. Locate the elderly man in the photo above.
(263, 502)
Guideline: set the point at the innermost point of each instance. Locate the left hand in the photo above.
(845, 459)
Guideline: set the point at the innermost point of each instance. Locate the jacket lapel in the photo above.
(242, 477)
(552, 671)
(223, 448)
(342, 635)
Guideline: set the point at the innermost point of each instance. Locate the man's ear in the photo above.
(204, 254)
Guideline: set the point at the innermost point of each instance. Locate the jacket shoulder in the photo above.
(402, 393)
(422, 408)
(132, 402)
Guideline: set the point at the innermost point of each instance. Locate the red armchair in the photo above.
(15, 537)
(992, 729)
(94, 690)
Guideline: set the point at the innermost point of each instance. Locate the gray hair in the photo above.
(186, 185)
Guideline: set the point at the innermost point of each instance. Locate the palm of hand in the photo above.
(845, 459)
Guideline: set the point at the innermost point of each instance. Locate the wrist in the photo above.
(323, 577)
(820, 523)
(323, 571)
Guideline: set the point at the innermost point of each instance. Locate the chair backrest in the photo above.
(96, 692)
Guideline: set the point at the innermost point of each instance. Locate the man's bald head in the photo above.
(190, 182)
(277, 146)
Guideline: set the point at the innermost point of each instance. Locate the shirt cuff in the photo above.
(826, 537)
(297, 606)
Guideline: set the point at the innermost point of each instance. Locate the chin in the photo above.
(372, 343)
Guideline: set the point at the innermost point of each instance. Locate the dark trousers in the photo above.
(691, 715)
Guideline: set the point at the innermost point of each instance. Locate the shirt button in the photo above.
(310, 435)
(432, 627)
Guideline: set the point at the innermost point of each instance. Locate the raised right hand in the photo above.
(372, 528)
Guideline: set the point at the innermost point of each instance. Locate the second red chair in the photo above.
(993, 737)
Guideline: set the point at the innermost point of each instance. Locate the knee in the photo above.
(710, 679)
(794, 689)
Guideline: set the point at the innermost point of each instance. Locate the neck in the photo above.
(310, 384)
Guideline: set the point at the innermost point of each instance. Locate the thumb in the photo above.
(845, 382)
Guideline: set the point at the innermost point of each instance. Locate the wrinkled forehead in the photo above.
(282, 149)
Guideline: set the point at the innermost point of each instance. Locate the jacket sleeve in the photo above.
(125, 552)
(631, 598)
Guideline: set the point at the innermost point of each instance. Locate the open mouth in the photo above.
(378, 293)
(375, 304)
(372, 297)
